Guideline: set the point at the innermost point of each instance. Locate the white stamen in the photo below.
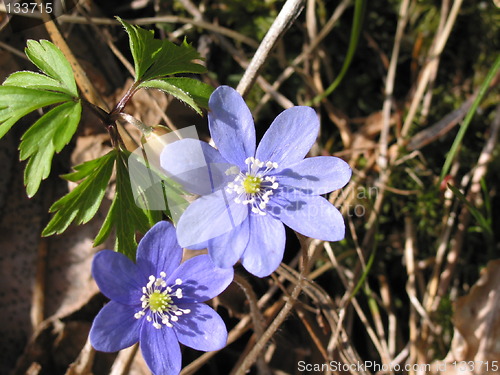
(158, 300)
(232, 170)
(256, 180)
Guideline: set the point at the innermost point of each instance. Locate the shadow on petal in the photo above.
(317, 175)
(194, 290)
(311, 215)
(297, 176)
(194, 325)
(292, 190)
(202, 328)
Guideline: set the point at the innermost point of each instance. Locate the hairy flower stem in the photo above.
(125, 99)
(109, 119)
(143, 128)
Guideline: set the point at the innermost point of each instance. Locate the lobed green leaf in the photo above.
(50, 60)
(174, 59)
(81, 204)
(82, 170)
(34, 80)
(191, 91)
(143, 45)
(23, 92)
(154, 58)
(48, 135)
(124, 215)
(17, 102)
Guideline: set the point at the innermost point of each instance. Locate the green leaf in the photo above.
(24, 92)
(173, 59)
(82, 170)
(124, 215)
(191, 91)
(154, 58)
(50, 60)
(143, 47)
(44, 138)
(81, 204)
(34, 81)
(17, 102)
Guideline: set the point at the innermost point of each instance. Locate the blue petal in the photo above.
(159, 251)
(118, 277)
(115, 327)
(201, 279)
(290, 137)
(227, 249)
(231, 125)
(195, 164)
(201, 329)
(318, 175)
(312, 216)
(161, 350)
(208, 217)
(266, 246)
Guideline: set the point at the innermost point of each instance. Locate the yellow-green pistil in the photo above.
(157, 298)
(251, 184)
(159, 301)
(255, 186)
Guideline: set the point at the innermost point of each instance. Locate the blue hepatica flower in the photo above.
(248, 192)
(157, 301)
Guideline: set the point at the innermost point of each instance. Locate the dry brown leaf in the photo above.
(475, 348)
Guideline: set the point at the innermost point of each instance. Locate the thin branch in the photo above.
(389, 84)
(285, 18)
(441, 40)
(292, 68)
(271, 330)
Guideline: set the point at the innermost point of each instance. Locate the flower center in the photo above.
(158, 304)
(251, 184)
(254, 186)
(159, 301)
